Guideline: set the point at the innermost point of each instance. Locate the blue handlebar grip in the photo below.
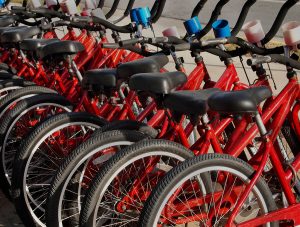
(221, 29)
(133, 15)
(144, 16)
(193, 26)
(2, 3)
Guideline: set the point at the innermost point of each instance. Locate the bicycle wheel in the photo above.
(15, 96)
(118, 192)
(7, 86)
(7, 76)
(40, 156)
(179, 198)
(19, 122)
(75, 173)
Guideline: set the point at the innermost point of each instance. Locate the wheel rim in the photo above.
(13, 140)
(81, 169)
(46, 152)
(6, 91)
(122, 208)
(216, 212)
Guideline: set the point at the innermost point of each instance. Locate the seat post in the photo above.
(76, 70)
(261, 127)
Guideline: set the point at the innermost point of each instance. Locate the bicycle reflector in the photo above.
(193, 26)
(221, 29)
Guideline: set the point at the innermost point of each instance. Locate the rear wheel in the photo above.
(179, 198)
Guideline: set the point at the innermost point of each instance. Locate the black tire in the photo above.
(16, 113)
(74, 162)
(129, 125)
(21, 94)
(9, 85)
(170, 181)
(7, 76)
(27, 149)
(119, 162)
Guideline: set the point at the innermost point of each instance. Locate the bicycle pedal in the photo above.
(261, 139)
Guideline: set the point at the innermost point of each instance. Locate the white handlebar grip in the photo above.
(69, 7)
(254, 31)
(50, 3)
(171, 31)
(291, 33)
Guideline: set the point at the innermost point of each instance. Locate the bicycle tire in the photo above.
(30, 147)
(119, 162)
(173, 179)
(73, 162)
(21, 94)
(11, 119)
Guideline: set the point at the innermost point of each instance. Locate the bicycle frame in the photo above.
(277, 110)
(268, 149)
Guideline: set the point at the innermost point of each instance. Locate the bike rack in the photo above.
(214, 16)
(278, 21)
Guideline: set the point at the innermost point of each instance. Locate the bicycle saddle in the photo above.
(6, 21)
(158, 83)
(17, 35)
(145, 65)
(4, 29)
(98, 79)
(189, 102)
(34, 44)
(245, 101)
(60, 48)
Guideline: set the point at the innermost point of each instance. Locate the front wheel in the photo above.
(7, 86)
(19, 122)
(119, 190)
(72, 179)
(40, 156)
(180, 200)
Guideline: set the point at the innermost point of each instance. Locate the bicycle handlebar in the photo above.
(242, 17)
(110, 45)
(106, 24)
(72, 24)
(277, 58)
(244, 47)
(157, 40)
(48, 13)
(278, 21)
